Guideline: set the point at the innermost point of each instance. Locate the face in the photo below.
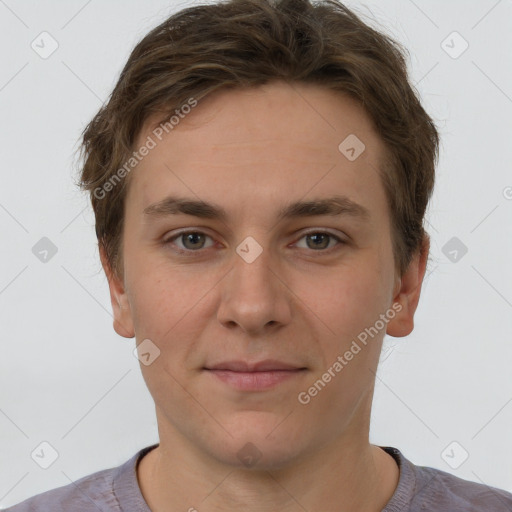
(269, 280)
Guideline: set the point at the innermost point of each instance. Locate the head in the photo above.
(248, 107)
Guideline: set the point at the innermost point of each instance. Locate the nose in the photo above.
(254, 296)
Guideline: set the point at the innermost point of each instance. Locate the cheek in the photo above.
(348, 298)
(158, 298)
(171, 307)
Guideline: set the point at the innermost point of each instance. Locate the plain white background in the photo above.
(68, 379)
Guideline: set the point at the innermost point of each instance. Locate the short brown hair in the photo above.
(243, 43)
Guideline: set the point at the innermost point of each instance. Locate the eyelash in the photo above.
(170, 241)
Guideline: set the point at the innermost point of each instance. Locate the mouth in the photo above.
(258, 376)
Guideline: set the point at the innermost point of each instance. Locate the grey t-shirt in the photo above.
(420, 489)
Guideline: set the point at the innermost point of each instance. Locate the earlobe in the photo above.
(408, 292)
(123, 323)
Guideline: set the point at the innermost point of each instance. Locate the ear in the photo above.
(123, 322)
(407, 293)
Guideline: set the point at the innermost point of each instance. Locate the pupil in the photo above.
(191, 237)
(316, 236)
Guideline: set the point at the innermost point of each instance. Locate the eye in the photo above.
(192, 241)
(320, 240)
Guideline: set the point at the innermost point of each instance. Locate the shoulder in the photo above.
(439, 490)
(90, 493)
(423, 488)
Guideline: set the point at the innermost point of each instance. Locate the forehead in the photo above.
(271, 140)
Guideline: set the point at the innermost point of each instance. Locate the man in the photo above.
(259, 179)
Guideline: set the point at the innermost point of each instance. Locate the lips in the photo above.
(255, 376)
(266, 365)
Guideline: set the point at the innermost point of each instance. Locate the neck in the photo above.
(340, 477)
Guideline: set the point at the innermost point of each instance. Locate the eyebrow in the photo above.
(333, 206)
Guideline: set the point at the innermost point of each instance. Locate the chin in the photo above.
(258, 456)
(260, 441)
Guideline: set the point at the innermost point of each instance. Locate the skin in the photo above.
(252, 152)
